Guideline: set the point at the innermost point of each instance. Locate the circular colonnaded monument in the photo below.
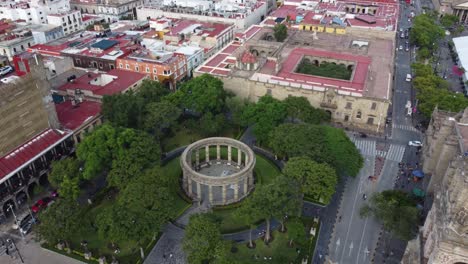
(218, 170)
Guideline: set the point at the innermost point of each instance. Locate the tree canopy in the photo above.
(202, 239)
(448, 20)
(160, 116)
(347, 158)
(281, 32)
(317, 180)
(65, 168)
(143, 206)
(293, 140)
(425, 32)
(126, 152)
(60, 221)
(300, 109)
(202, 94)
(396, 210)
(265, 115)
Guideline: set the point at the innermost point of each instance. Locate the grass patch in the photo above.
(325, 69)
(279, 251)
(265, 172)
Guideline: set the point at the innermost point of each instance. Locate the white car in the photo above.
(5, 70)
(9, 79)
(401, 47)
(415, 143)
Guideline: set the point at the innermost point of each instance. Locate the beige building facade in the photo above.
(444, 237)
(255, 65)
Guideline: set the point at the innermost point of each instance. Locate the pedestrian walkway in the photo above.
(381, 153)
(405, 127)
(367, 147)
(396, 152)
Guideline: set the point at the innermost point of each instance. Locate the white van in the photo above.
(408, 77)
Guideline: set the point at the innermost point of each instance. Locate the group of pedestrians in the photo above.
(405, 175)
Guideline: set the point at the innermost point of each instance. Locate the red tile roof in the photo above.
(357, 83)
(248, 57)
(29, 150)
(72, 117)
(123, 80)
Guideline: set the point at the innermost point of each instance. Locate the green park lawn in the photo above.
(279, 249)
(265, 172)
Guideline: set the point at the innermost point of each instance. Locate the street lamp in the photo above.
(10, 208)
(11, 241)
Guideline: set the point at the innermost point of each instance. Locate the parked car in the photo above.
(41, 204)
(415, 143)
(9, 79)
(363, 135)
(22, 220)
(5, 70)
(401, 47)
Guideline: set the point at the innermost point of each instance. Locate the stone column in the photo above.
(207, 153)
(224, 193)
(218, 152)
(189, 186)
(210, 188)
(239, 157)
(229, 154)
(246, 186)
(236, 191)
(197, 157)
(246, 159)
(199, 191)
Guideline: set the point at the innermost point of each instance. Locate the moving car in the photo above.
(5, 70)
(415, 143)
(401, 47)
(9, 79)
(408, 77)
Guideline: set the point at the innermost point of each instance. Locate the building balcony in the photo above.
(328, 105)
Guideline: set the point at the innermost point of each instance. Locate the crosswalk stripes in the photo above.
(367, 147)
(381, 153)
(396, 152)
(405, 127)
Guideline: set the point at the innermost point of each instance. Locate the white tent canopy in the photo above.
(461, 46)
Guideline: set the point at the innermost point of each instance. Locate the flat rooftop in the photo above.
(372, 60)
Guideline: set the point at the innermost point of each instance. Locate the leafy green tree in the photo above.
(212, 125)
(422, 70)
(60, 222)
(235, 106)
(202, 239)
(201, 94)
(69, 167)
(448, 20)
(346, 157)
(160, 116)
(142, 208)
(425, 32)
(135, 151)
(396, 210)
(265, 115)
(281, 32)
(123, 110)
(299, 109)
(293, 140)
(151, 92)
(247, 214)
(277, 199)
(96, 150)
(296, 231)
(69, 188)
(317, 180)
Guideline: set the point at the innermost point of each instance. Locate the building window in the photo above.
(346, 118)
(349, 105)
(78, 62)
(147, 69)
(111, 67)
(120, 65)
(374, 105)
(14, 49)
(370, 121)
(156, 78)
(155, 70)
(22, 47)
(127, 66)
(359, 114)
(137, 69)
(100, 65)
(269, 91)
